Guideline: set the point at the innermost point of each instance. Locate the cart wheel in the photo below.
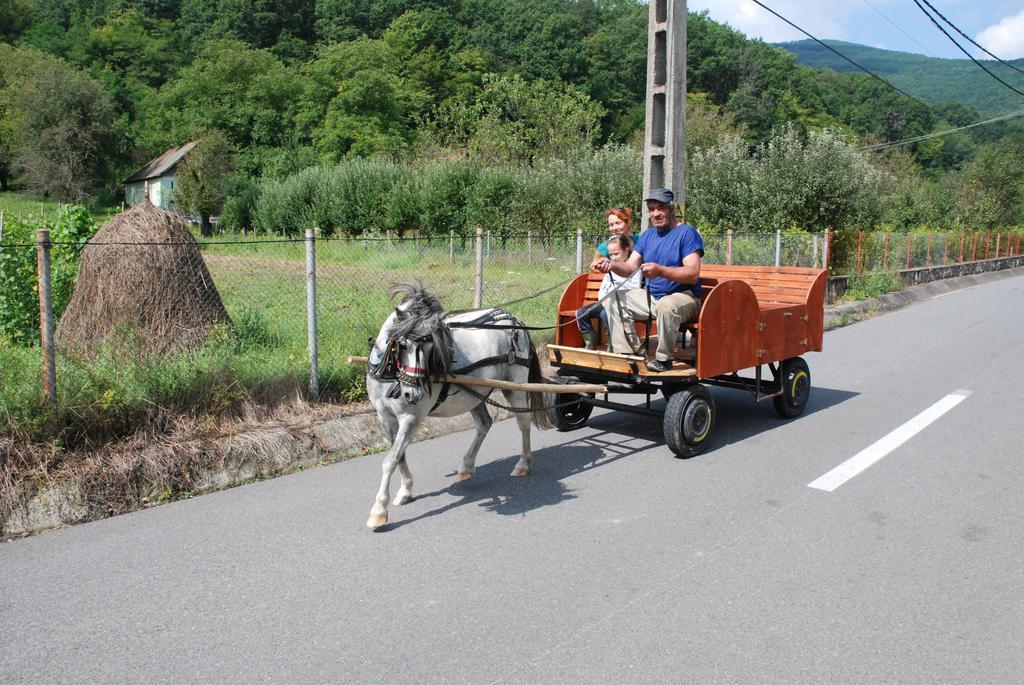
(795, 377)
(568, 411)
(689, 420)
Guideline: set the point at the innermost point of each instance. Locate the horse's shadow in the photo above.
(495, 490)
(738, 419)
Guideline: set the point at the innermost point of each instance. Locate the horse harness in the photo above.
(392, 363)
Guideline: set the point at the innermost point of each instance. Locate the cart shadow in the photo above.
(618, 435)
(738, 417)
(493, 489)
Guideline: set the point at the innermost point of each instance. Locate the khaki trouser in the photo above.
(625, 307)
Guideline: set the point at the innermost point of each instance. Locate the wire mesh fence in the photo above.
(262, 286)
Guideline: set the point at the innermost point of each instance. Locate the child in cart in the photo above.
(619, 249)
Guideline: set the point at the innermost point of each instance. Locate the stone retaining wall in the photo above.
(926, 274)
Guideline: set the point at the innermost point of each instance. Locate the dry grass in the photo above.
(151, 467)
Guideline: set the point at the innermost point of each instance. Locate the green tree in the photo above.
(245, 92)
(355, 104)
(202, 178)
(992, 190)
(813, 182)
(57, 122)
(133, 47)
(616, 55)
(15, 17)
(513, 120)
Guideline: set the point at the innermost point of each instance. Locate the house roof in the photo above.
(160, 166)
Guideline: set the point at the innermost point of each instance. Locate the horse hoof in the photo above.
(465, 475)
(376, 521)
(519, 471)
(399, 501)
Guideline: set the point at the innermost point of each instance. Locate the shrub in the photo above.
(439, 196)
(813, 183)
(19, 301)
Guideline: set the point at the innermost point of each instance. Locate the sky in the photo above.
(998, 25)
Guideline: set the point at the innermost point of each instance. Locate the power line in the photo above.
(955, 28)
(962, 49)
(883, 15)
(831, 49)
(939, 134)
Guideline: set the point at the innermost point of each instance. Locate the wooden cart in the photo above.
(750, 317)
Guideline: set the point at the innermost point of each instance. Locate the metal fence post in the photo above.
(999, 237)
(46, 323)
(451, 246)
(945, 249)
(910, 243)
(728, 246)
(579, 250)
(478, 280)
(488, 244)
(814, 250)
(529, 246)
(314, 372)
(885, 254)
(778, 247)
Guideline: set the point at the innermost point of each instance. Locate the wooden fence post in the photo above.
(974, 247)
(46, 324)
(928, 253)
(988, 238)
(860, 250)
(961, 259)
(885, 254)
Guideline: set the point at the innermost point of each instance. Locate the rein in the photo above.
(520, 327)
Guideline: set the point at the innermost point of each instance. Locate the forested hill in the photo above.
(91, 89)
(930, 78)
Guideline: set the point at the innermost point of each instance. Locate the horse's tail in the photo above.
(539, 411)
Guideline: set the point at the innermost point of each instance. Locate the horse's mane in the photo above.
(423, 315)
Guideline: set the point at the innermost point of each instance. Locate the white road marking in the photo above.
(869, 455)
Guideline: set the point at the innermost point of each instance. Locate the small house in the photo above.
(156, 179)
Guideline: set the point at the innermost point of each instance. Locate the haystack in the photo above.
(149, 280)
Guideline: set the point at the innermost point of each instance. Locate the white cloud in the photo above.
(827, 20)
(1006, 38)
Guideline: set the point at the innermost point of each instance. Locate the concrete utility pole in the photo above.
(665, 131)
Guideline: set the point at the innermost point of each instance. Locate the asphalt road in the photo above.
(613, 562)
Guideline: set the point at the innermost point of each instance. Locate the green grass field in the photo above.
(264, 359)
(27, 208)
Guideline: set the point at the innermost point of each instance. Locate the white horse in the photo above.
(417, 348)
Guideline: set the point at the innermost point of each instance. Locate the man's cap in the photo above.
(662, 195)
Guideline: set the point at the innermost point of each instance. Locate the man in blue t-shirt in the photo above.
(669, 254)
